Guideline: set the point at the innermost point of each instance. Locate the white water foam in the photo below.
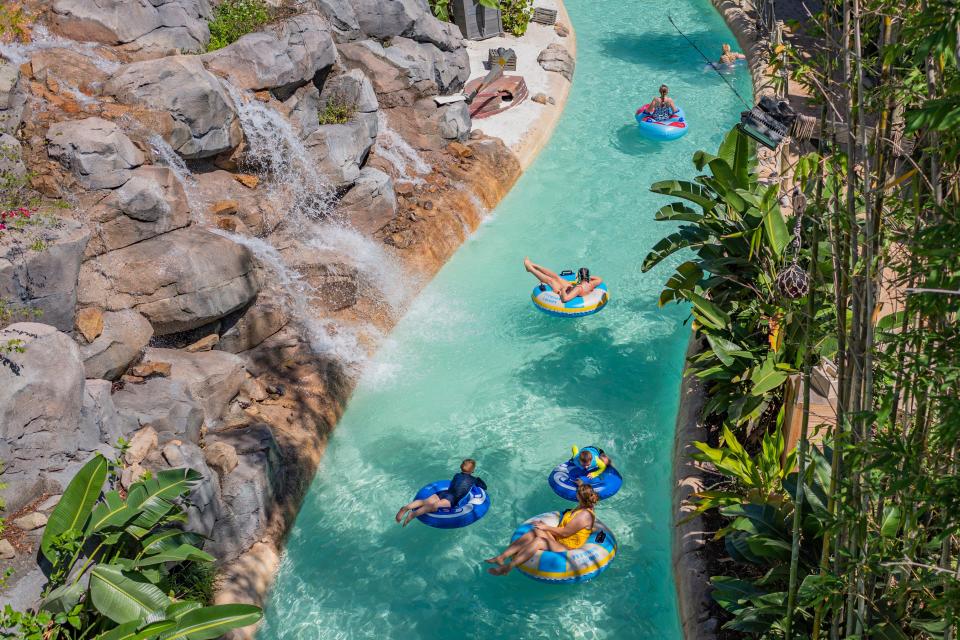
(172, 160)
(19, 52)
(395, 150)
(275, 152)
(325, 336)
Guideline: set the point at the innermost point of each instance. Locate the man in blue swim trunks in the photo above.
(460, 486)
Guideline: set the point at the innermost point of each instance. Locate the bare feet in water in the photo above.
(494, 560)
(499, 571)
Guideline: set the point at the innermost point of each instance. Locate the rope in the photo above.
(709, 62)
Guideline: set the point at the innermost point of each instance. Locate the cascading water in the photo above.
(275, 151)
(169, 158)
(341, 344)
(395, 150)
(19, 53)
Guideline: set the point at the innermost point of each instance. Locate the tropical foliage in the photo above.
(233, 19)
(515, 15)
(116, 562)
(856, 537)
(441, 8)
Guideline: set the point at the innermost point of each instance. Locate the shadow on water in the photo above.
(590, 381)
(628, 140)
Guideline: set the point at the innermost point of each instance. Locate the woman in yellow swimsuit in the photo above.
(572, 532)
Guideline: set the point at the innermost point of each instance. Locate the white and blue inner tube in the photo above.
(471, 507)
(574, 565)
(546, 300)
(563, 480)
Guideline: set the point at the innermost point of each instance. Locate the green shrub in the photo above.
(234, 19)
(336, 113)
(192, 581)
(441, 8)
(516, 15)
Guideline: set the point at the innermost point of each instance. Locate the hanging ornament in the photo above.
(793, 281)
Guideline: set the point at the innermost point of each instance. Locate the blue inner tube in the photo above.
(549, 302)
(563, 481)
(471, 507)
(574, 565)
(672, 128)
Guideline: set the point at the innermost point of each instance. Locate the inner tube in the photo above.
(563, 480)
(670, 129)
(572, 566)
(549, 302)
(471, 507)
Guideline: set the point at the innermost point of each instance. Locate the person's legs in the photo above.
(515, 546)
(413, 505)
(429, 505)
(544, 275)
(523, 554)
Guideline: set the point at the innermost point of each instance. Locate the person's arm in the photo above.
(480, 483)
(570, 293)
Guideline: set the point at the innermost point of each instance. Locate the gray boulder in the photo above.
(164, 404)
(205, 120)
(286, 56)
(556, 58)
(302, 109)
(354, 90)
(125, 335)
(45, 280)
(247, 329)
(11, 156)
(407, 70)
(383, 19)
(212, 377)
(249, 492)
(339, 150)
(13, 97)
(98, 153)
(203, 504)
(41, 395)
(342, 19)
(371, 203)
(149, 27)
(455, 123)
(180, 280)
(151, 202)
(99, 420)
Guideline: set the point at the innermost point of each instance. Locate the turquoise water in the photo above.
(473, 370)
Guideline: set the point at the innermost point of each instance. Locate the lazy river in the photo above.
(473, 370)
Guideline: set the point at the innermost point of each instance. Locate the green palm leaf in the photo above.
(74, 507)
(686, 190)
(124, 596)
(132, 631)
(212, 622)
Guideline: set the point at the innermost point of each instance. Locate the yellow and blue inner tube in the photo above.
(574, 565)
(550, 303)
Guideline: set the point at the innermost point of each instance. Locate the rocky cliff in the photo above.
(210, 259)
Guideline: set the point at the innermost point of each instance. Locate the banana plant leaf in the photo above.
(63, 598)
(74, 507)
(154, 496)
(686, 237)
(689, 191)
(678, 211)
(169, 539)
(137, 631)
(211, 622)
(124, 596)
(183, 553)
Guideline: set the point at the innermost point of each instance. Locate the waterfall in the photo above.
(18, 53)
(340, 343)
(169, 158)
(395, 150)
(275, 151)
